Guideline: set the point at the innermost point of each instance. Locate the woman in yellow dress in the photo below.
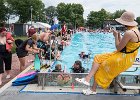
(107, 66)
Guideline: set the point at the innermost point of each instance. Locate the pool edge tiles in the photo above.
(33, 88)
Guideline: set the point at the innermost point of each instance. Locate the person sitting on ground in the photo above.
(109, 65)
(77, 67)
(58, 68)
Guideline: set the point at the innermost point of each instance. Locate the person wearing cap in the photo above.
(6, 41)
(109, 65)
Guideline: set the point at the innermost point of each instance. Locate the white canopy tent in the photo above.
(40, 25)
(44, 24)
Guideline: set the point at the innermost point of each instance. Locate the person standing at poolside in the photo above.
(64, 29)
(28, 46)
(6, 41)
(107, 66)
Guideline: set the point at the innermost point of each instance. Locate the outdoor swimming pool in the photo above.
(94, 43)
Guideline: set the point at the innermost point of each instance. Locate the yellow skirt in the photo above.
(111, 65)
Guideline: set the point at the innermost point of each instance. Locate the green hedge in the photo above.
(17, 37)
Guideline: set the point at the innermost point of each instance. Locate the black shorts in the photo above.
(5, 57)
(21, 53)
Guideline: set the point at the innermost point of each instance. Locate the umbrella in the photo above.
(55, 26)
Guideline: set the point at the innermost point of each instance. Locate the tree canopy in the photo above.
(22, 8)
(71, 13)
(96, 18)
(3, 11)
(50, 12)
(138, 20)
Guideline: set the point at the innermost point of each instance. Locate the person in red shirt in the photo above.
(9, 41)
(6, 41)
(64, 29)
(31, 31)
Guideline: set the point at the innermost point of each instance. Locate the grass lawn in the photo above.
(17, 37)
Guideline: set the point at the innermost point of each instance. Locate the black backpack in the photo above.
(18, 42)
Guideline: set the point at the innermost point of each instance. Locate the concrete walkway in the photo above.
(12, 93)
(15, 68)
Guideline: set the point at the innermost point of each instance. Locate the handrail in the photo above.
(133, 70)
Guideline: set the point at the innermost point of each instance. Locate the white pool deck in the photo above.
(34, 88)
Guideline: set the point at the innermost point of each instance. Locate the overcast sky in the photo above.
(95, 5)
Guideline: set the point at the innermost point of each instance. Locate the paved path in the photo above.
(15, 68)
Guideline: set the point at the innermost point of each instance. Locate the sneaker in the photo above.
(89, 92)
(83, 81)
(8, 76)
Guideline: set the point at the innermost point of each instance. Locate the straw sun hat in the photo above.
(127, 18)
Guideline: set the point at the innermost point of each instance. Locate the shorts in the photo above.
(21, 53)
(5, 57)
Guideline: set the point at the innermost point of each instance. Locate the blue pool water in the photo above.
(94, 43)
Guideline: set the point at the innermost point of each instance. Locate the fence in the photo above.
(55, 79)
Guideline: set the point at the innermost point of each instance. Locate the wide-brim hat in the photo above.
(127, 18)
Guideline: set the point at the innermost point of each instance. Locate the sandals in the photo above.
(8, 77)
(83, 81)
(89, 92)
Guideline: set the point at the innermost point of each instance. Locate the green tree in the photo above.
(78, 12)
(61, 9)
(3, 11)
(22, 8)
(138, 20)
(50, 12)
(96, 18)
(71, 13)
(39, 16)
(118, 13)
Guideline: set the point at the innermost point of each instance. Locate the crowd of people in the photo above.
(51, 43)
